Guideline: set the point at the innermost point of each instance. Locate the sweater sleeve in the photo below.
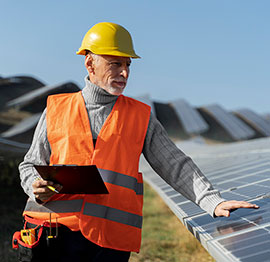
(177, 169)
(38, 154)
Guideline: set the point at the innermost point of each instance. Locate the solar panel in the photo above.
(38, 97)
(12, 87)
(10, 148)
(254, 120)
(236, 128)
(169, 119)
(241, 171)
(233, 239)
(191, 120)
(25, 125)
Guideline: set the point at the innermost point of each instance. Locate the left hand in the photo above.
(224, 208)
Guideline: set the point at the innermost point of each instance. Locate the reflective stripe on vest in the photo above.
(113, 214)
(64, 206)
(113, 220)
(121, 180)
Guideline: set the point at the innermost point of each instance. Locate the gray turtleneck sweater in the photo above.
(165, 158)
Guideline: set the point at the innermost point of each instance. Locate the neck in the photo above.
(94, 94)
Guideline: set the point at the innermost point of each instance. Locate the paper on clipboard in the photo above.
(74, 179)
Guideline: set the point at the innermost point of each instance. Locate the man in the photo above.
(100, 126)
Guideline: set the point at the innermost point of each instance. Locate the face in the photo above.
(109, 72)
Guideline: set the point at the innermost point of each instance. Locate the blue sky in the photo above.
(202, 51)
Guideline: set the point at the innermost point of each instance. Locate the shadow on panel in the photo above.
(260, 125)
(168, 118)
(215, 132)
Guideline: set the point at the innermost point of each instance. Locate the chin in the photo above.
(117, 91)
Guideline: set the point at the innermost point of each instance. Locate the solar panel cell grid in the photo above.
(190, 209)
(262, 257)
(171, 193)
(243, 245)
(242, 172)
(265, 183)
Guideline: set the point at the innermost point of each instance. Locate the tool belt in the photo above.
(35, 239)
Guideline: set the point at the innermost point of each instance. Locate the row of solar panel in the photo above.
(239, 125)
(21, 102)
(181, 120)
(241, 172)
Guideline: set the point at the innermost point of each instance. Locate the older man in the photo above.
(99, 126)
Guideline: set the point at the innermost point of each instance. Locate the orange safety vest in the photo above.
(111, 220)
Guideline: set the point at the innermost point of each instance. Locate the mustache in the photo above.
(120, 80)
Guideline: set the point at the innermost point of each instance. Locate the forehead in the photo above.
(122, 59)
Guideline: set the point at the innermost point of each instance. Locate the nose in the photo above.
(125, 72)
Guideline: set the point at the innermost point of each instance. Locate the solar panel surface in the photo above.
(237, 129)
(256, 121)
(191, 120)
(24, 125)
(241, 172)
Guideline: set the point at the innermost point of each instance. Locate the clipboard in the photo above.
(74, 179)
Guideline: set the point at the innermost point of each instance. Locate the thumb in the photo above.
(221, 212)
(225, 213)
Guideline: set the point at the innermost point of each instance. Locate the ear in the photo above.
(88, 62)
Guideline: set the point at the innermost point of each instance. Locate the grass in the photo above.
(164, 238)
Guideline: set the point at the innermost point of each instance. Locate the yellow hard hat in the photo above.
(108, 39)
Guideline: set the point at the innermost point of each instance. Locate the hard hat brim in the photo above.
(82, 51)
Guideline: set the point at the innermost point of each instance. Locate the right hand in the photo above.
(42, 192)
(224, 208)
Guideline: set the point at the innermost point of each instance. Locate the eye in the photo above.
(115, 63)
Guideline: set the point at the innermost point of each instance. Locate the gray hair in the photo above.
(95, 56)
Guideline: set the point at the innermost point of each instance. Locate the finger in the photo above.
(43, 195)
(250, 205)
(238, 204)
(222, 212)
(41, 183)
(43, 192)
(43, 198)
(39, 190)
(225, 213)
